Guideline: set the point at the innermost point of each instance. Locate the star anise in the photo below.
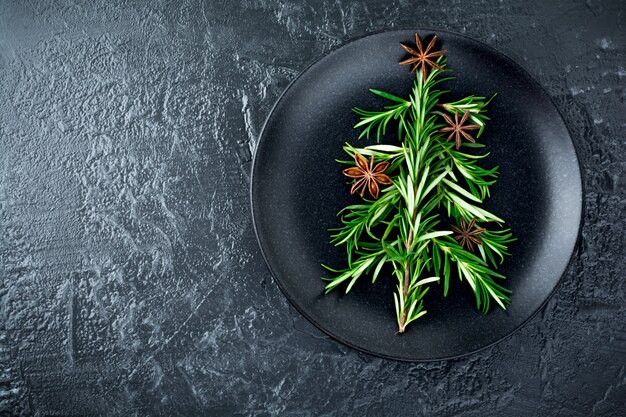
(367, 176)
(467, 234)
(457, 128)
(422, 57)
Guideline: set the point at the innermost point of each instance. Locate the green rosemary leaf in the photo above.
(461, 191)
(433, 235)
(379, 266)
(388, 96)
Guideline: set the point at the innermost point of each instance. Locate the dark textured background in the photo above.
(131, 281)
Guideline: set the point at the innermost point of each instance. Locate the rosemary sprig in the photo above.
(434, 188)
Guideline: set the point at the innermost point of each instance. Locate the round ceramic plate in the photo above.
(297, 189)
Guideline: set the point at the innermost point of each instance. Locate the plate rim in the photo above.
(331, 334)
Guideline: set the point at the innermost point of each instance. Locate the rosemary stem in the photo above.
(407, 272)
(422, 175)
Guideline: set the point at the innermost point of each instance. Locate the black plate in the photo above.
(297, 188)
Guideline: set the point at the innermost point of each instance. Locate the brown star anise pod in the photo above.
(423, 57)
(457, 128)
(467, 235)
(368, 176)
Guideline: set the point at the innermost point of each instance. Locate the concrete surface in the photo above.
(131, 281)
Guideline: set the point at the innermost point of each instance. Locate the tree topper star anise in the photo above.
(367, 176)
(457, 128)
(467, 235)
(422, 57)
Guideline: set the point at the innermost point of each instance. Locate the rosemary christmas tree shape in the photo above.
(419, 199)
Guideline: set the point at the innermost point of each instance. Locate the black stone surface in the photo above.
(131, 281)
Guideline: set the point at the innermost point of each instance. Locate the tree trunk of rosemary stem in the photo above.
(407, 275)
